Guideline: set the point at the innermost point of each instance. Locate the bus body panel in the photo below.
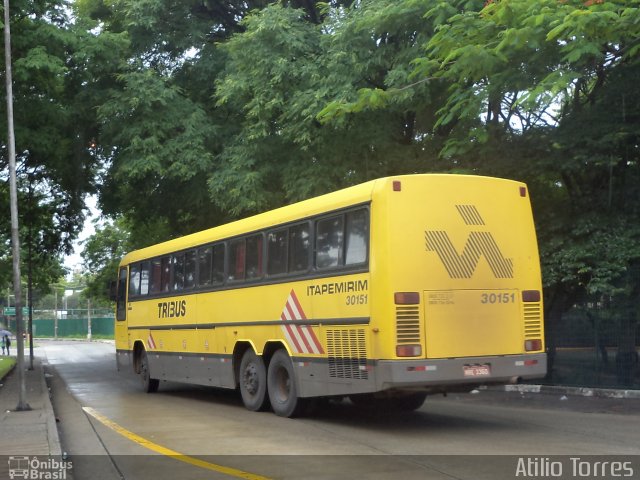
(462, 247)
(467, 245)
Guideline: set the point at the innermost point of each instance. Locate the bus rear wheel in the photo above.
(149, 385)
(282, 386)
(253, 382)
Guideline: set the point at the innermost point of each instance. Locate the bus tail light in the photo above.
(533, 345)
(406, 298)
(408, 350)
(531, 296)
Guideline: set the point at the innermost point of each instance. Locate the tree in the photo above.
(281, 74)
(554, 89)
(159, 130)
(54, 128)
(101, 255)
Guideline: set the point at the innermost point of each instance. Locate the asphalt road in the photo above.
(111, 429)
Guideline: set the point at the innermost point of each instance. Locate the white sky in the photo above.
(74, 260)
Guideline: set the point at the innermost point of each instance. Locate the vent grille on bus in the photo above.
(532, 320)
(407, 324)
(347, 351)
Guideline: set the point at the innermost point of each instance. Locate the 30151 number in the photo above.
(357, 299)
(493, 298)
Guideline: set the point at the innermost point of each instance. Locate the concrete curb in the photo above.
(55, 448)
(576, 391)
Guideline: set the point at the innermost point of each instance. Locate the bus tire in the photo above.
(409, 402)
(281, 384)
(253, 381)
(149, 385)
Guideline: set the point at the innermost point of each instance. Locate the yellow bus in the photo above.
(383, 292)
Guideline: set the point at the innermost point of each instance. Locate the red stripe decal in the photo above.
(298, 306)
(293, 337)
(315, 339)
(304, 338)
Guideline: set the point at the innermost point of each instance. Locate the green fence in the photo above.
(594, 347)
(74, 327)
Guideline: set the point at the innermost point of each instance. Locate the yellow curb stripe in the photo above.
(167, 451)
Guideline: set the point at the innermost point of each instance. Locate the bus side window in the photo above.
(178, 271)
(357, 237)
(134, 281)
(205, 259)
(165, 275)
(121, 295)
(156, 276)
(329, 242)
(190, 269)
(218, 264)
(237, 254)
(277, 244)
(254, 257)
(144, 278)
(299, 248)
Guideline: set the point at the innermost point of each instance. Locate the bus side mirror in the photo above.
(113, 290)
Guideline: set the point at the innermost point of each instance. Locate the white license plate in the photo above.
(477, 370)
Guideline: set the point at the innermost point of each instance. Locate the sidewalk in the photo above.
(32, 432)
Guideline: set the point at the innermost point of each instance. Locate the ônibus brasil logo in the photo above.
(479, 244)
(35, 469)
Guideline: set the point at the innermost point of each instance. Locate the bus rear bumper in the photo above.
(434, 374)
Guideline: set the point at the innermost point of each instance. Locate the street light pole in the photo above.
(30, 272)
(15, 232)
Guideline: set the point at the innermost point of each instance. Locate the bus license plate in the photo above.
(477, 370)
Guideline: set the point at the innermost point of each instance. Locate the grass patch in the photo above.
(6, 364)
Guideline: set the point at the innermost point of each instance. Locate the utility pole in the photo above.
(30, 271)
(15, 232)
(89, 319)
(55, 311)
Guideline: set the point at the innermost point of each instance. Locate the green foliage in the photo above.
(222, 109)
(161, 152)
(54, 125)
(101, 255)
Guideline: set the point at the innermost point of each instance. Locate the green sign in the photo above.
(11, 311)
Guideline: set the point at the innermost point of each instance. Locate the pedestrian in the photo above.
(3, 345)
(7, 343)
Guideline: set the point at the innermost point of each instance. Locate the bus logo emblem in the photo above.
(479, 244)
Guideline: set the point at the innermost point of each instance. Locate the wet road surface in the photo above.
(338, 441)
